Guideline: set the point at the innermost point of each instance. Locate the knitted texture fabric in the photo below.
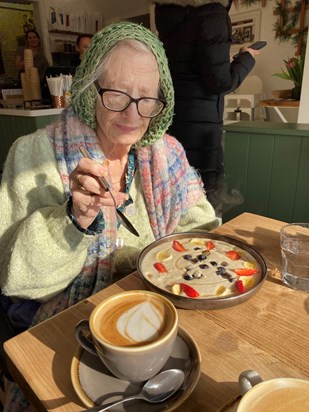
(83, 101)
(170, 188)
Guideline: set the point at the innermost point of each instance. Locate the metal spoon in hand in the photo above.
(155, 390)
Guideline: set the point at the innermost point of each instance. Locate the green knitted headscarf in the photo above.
(84, 101)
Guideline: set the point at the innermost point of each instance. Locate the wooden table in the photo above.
(268, 333)
(279, 104)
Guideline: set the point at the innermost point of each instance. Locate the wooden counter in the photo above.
(30, 113)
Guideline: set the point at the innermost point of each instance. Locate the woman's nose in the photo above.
(131, 111)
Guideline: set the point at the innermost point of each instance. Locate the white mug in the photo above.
(132, 332)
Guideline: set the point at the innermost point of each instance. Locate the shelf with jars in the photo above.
(64, 26)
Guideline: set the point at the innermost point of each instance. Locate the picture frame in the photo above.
(245, 29)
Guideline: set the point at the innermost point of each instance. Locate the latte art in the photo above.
(135, 321)
(141, 323)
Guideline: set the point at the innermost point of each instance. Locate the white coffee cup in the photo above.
(279, 394)
(132, 332)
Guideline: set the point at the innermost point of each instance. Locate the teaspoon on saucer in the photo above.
(103, 182)
(155, 390)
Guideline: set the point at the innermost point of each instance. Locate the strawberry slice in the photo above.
(232, 254)
(240, 286)
(210, 245)
(189, 290)
(246, 272)
(160, 267)
(179, 247)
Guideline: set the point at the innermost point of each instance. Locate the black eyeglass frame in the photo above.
(101, 91)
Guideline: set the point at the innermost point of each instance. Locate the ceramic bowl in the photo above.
(200, 302)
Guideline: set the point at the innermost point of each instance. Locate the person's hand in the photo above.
(87, 194)
(253, 52)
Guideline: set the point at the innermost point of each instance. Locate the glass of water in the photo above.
(294, 240)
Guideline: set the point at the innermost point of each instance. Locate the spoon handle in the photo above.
(103, 182)
(107, 406)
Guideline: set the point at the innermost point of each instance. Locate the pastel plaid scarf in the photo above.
(169, 184)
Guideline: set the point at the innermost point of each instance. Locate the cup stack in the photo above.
(30, 80)
(26, 87)
(35, 84)
(28, 59)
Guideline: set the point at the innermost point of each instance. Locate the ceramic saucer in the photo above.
(95, 385)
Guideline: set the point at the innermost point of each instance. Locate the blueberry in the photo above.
(187, 257)
(203, 266)
(188, 276)
(227, 276)
(224, 264)
(214, 263)
(197, 248)
(201, 257)
(222, 269)
(194, 260)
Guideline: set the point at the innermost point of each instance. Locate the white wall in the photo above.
(303, 114)
(111, 10)
(114, 10)
(270, 59)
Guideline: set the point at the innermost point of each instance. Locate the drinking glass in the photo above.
(294, 240)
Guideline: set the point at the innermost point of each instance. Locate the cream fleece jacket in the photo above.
(41, 250)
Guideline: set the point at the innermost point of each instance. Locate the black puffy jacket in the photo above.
(197, 42)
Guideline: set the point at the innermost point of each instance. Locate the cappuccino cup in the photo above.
(133, 333)
(279, 394)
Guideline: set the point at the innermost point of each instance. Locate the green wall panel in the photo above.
(284, 177)
(301, 203)
(267, 165)
(12, 127)
(260, 157)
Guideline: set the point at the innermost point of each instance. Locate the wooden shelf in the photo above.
(72, 33)
(279, 103)
(61, 53)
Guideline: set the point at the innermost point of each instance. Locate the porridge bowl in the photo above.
(201, 270)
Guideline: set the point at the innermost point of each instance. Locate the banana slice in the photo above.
(250, 265)
(163, 255)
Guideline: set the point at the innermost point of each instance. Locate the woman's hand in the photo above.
(87, 193)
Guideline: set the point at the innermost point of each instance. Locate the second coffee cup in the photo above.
(133, 333)
(279, 394)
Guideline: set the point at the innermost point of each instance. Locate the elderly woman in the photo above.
(60, 239)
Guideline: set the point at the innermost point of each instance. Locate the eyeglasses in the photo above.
(118, 101)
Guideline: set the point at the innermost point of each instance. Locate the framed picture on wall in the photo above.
(245, 29)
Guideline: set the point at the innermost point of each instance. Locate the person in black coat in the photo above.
(197, 35)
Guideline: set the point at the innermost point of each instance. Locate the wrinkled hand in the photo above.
(87, 194)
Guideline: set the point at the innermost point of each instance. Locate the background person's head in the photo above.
(82, 43)
(96, 63)
(32, 39)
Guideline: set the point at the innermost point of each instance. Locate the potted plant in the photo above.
(294, 72)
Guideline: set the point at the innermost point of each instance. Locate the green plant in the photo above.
(294, 71)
